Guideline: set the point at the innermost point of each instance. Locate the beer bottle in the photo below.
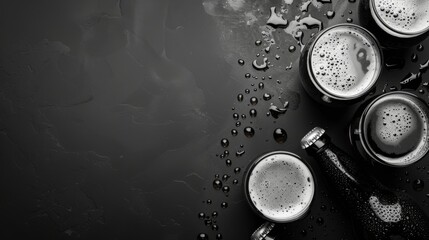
(379, 212)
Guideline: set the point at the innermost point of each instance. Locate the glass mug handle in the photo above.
(263, 231)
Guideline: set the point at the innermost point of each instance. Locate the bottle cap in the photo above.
(262, 231)
(311, 137)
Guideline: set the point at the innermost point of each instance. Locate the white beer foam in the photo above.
(281, 187)
(406, 16)
(345, 61)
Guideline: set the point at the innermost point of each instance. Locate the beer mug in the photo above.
(341, 65)
(392, 129)
(397, 23)
(279, 187)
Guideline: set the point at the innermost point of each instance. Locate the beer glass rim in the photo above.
(382, 24)
(363, 138)
(247, 192)
(376, 75)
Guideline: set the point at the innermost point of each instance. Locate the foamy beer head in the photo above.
(395, 129)
(280, 187)
(345, 62)
(401, 18)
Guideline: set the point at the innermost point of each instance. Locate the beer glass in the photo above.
(279, 187)
(340, 65)
(396, 23)
(392, 129)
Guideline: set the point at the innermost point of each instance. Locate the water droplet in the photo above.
(238, 124)
(349, 20)
(247, 75)
(241, 62)
(225, 189)
(209, 201)
(414, 57)
(224, 205)
(411, 81)
(252, 113)
(201, 215)
(239, 153)
(420, 48)
(280, 135)
(219, 236)
(418, 185)
(225, 177)
(235, 182)
(235, 116)
(214, 214)
(258, 42)
(330, 14)
(320, 220)
(275, 20)
(276, 111)
(224, 142)
(292, 48)
(240, 97)
(217, 184)
(266, 96)
(259, 67)
(253, 100)
(234, 132)
(249, 132)
(237, 170)
(202, 236)
(261, 85)
(228, 162)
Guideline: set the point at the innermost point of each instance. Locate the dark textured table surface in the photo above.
(112, 114)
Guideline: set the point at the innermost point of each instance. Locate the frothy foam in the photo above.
(281, 187)
(405, 16)
(396, 129)
(345, 61)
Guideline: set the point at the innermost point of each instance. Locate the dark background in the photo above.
(112, 112)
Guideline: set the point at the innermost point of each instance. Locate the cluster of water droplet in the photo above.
(345, 61)
(410, 16)
(280, 187)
